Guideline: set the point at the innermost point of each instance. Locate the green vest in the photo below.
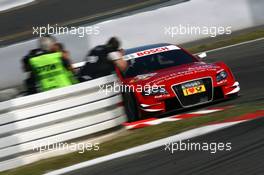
(50, 72)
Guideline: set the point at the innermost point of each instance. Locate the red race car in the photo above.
(164, 77)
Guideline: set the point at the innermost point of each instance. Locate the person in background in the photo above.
(102, 59)
(59, 47)
(47, 68)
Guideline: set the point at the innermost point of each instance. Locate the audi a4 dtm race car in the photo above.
(164, 77)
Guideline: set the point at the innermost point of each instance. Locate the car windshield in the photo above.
(151, 63)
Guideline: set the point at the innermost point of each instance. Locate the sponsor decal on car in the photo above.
(207, 67)
(194, 87)
(190, 71)
(142, 77)
(151, 52)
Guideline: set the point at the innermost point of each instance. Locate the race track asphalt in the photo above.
(55, 11)
(247, 64)
(245, 157)
(17, 24)
(247, 154)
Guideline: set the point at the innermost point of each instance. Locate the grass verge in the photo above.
(133, 138)
(217, 43)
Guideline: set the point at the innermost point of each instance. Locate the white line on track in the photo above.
(156, 144)
(9, 4)
(234, 45)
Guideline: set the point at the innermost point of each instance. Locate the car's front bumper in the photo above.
(175, 103)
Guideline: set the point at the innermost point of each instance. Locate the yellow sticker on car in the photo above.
(194, 90)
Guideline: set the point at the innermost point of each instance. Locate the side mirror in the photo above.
(202, 55)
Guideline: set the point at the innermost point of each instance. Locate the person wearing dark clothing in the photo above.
(102, 59)
(59, 47)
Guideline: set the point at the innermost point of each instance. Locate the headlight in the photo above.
(154, 91)
(221, 76)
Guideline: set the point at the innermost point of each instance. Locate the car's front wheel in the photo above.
(131, 106)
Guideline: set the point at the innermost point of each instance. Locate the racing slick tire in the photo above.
(131, 107)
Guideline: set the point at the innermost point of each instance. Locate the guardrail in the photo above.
(56, 116)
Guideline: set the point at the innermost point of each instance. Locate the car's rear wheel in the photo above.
(131, 107)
